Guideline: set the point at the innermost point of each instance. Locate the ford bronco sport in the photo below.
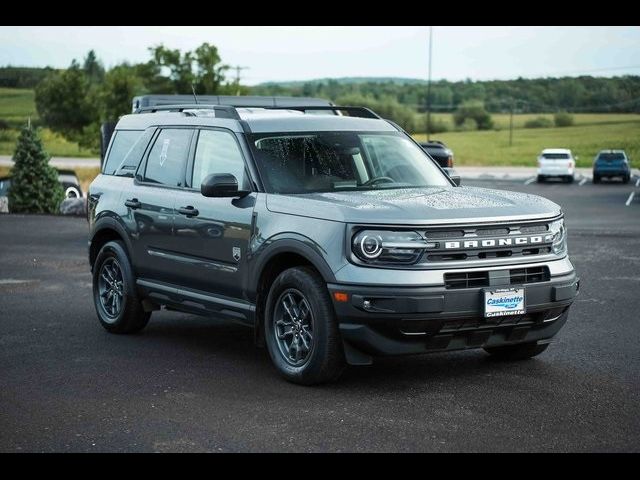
(334, 236)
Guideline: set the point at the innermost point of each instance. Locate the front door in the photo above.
(212, 234)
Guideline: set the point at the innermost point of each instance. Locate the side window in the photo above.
(121, 145)
(168, 157)
(217, 152)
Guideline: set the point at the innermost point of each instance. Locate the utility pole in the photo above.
(511, 124)
(429, 85)
(238, 69)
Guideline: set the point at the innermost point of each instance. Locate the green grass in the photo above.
(591, 133)
(501, 120)
(16, 106)
(584, 139)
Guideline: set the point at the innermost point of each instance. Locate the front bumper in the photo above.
(399, 320)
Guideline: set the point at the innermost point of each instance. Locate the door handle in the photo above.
(188, 211)
(133, 204)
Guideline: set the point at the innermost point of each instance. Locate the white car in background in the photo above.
(556, 162)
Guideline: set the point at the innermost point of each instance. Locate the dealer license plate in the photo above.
(504, 301)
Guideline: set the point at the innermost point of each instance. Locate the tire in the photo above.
(520, 351)
(570, 179)
(596, 178)
(316, 355)
(120, 312)
(541, 179)
(626, 179)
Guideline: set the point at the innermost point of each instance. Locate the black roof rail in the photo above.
(224, 110)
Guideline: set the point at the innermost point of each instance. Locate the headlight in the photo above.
(388, 247)
(559, 232)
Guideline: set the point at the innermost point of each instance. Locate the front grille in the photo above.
(466, 279)
(529, 275)
(470, 243)
(477, 279)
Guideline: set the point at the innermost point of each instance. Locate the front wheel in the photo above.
(114, 293)
(301, 331)
(520, 351)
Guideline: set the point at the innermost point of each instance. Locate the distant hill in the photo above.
(22, 77)
(347, 81)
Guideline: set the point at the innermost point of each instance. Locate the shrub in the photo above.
(437, 124)
(468, 125)
(474, 111)
(34, 183)
(538, 122)
(4, 125)
(563, 119)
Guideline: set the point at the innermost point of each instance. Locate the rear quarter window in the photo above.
(125, 152)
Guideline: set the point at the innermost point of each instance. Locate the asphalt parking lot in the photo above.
(193, 384)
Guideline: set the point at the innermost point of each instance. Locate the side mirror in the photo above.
(220, 185)
(451, 173)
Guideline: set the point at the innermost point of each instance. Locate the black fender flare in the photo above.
(299, 246)
(110, 223)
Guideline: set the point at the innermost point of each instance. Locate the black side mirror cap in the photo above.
(453, 175)
(221, 185)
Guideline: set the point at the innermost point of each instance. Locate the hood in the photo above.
(416, 206)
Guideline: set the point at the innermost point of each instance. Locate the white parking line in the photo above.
(583, 181)
(630, 198)
(638, 182)
(531, 180)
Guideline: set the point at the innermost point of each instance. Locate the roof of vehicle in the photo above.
(556, 150)
(257, 120)
(611, 151)
(240, 101)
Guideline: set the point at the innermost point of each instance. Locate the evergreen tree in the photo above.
(34, 183)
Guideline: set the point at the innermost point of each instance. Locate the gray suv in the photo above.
(334, 236)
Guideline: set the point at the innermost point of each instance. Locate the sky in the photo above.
(304, 53)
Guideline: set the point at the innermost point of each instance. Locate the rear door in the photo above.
(151, 203)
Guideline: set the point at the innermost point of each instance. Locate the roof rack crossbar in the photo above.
(225, 111)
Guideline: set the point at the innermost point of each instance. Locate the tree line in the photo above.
(76, 100)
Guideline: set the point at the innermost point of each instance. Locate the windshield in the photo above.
(555, 156)
(342, 161)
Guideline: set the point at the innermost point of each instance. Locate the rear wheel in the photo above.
(114, 294)
(301, 331)
(570, 179)
(520, 351)
(596, 178)
(626, 178)
(540, 178)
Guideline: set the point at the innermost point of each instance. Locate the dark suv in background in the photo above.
(334, 236)
(610, 164)
(439, 152)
